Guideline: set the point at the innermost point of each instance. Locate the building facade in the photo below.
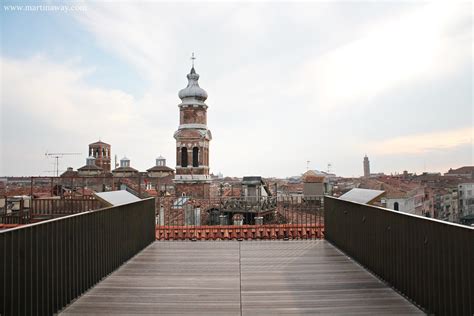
(313, 184)
(465, 172)
(466, 198)
(192, 141)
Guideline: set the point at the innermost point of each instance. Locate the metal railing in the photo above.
(45, 208)
(44, 266)
(428, 261)
(55, 207)
(239, 218)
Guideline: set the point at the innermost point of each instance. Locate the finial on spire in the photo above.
(193, 58)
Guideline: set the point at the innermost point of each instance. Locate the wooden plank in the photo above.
(311, 277)
(241, 278)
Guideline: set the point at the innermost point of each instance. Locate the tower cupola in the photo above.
(193, 90)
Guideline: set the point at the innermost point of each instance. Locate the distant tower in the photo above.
(192, 141)
(101, 152)
(366, 167)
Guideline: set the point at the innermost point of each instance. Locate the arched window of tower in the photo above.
(196, 157)
(184, 157)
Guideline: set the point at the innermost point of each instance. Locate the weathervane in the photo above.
(193, 58)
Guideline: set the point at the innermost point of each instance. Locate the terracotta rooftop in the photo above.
(89, 168)
(160, 168)
(125, 169)
(68, 174)
(99, 143)
(311, 176)
(462, 170)
(394, 188)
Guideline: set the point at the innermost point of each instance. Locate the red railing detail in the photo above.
(244, 232)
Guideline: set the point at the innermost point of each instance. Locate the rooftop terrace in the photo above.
(241, 278)
(110, 261)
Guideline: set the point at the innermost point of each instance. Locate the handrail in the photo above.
(427, 260)
(45, 265)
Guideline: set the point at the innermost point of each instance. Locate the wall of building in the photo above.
(89, 173)
(125, 174)
(466, 198)
(313, 189)
(195, 190)
(193, 115)
(404, 204)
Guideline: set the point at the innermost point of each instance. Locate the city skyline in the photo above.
(287, 84)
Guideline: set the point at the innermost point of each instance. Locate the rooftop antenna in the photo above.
(307, 165)
(192, 58)
(329, 167)
(57, 156)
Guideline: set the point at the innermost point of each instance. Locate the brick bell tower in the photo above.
(192, 141)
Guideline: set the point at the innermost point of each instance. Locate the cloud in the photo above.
(425, 43)
(132, 32)
(422, 143)
(68, 113)
(55, 92)
(274, 74)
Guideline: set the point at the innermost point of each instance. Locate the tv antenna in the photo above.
(56, 156)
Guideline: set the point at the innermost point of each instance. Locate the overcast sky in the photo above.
(325, 82)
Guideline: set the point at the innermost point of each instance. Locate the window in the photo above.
(195, 157)
(184, 157)
(395, 206)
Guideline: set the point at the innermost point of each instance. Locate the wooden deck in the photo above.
(241, 278)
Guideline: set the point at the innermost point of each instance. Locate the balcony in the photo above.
(108, 261)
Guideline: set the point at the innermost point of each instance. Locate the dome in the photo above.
(193, 90)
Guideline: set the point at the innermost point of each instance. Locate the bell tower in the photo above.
(192, 141)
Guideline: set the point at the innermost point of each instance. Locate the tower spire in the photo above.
(192, 59)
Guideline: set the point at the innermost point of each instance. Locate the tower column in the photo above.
(193, 134)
